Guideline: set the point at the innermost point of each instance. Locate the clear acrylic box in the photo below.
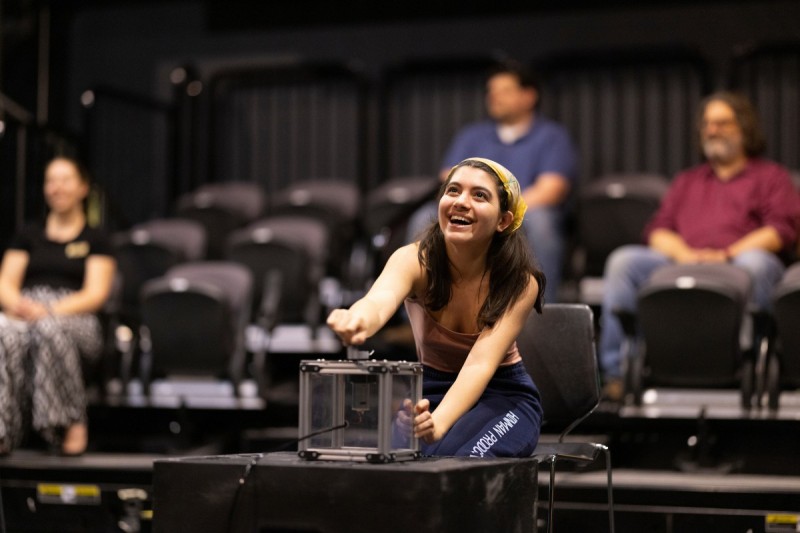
(358, 410)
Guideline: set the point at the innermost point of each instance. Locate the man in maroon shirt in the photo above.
(736, 207)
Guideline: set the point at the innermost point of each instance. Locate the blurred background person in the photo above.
(537, 150)
(54, 277)
(735, 207)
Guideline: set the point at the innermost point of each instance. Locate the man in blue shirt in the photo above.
(538, 151)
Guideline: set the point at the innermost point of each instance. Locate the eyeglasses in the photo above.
(718, 124)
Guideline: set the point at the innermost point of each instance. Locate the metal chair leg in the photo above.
(536, 497)
(551, 495)
(551, 491)
(609, 488)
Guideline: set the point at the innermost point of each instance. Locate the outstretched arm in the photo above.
(369, 314)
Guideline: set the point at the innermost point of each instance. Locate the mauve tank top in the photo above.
(441, 348)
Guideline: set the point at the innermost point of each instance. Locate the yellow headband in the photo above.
(516, 204)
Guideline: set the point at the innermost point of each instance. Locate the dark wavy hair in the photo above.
(509, 261)
(524, 74)
(746, 116)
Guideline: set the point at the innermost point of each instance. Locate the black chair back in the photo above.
(195, 316)
(613, 211)
(147, 251)
(691, 318)
(222, 208)
(784, 364)
(296, 248)
(558, 349)
(335, 202)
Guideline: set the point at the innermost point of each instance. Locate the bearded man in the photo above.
(736, 207)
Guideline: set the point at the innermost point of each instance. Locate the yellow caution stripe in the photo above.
(67, 493)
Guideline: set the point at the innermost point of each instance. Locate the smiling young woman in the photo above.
(468, 286)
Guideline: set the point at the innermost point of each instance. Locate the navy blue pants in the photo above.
(505, 422)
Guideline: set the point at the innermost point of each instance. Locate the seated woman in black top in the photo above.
(54, 277)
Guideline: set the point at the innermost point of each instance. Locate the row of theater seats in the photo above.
(213, 288)
(316, 245)
(187, 315)
(363, 229)
(694, 329)
(350, 215)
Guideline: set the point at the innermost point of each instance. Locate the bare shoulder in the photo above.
(406, 254)
(406, 260)
(531, 291)
(533, 285)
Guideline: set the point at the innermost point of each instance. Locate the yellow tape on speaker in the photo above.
(68, 494)
(777, 523)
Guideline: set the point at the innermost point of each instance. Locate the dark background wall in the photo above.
(136, 46)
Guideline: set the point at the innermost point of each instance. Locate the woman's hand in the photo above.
(424, 423)
(404, 419)
(349, 326)
(29, 310)
(369, 314)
